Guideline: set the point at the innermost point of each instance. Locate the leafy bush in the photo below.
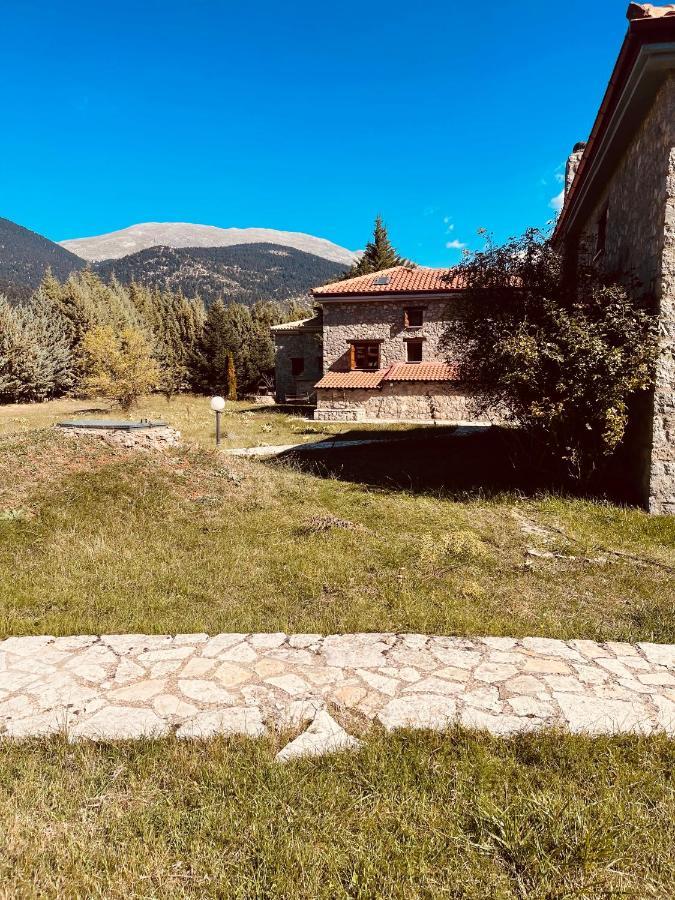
(558, 354)
(120, 367)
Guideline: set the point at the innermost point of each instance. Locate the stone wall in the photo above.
(301, 343)
(395, 400)
(381, 320)
(136, 439)
(640, 240)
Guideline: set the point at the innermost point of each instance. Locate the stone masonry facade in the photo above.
(638, 205)
(395, 401)
(384, 321)
(302, 342)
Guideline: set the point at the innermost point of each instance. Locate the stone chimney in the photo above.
(573, 165)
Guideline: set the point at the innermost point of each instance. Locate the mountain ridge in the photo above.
(26, 255)
(181, 235)
(243, 273)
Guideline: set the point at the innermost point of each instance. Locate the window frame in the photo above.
(362, 346)
(419, 310)
(294, 360)
(417, 343)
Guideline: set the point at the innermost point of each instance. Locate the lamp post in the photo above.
(217, 405)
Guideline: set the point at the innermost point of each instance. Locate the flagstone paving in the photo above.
(127, 686)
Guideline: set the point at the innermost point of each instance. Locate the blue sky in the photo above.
(443, 116)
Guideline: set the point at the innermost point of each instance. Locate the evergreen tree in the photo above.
(378, 255)
(231, 377)
(208, 363)
(35, 359)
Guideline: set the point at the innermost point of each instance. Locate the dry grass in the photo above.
(243, 424)
(98, 540)
(411, 815)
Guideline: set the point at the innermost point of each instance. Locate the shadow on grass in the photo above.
(459, 463)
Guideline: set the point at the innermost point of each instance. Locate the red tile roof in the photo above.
(353, 379)
(401, 280)
(424, 371)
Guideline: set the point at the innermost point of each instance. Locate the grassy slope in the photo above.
(409, 816)
(93, 540)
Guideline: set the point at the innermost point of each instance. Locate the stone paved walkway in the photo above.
(127, 686)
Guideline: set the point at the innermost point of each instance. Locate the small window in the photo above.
(414, 351)
(601, 239)
(414, 316)
(297, 366)
(365, 356)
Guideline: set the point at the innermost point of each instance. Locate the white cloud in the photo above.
(556, 202)
(455, 245)
(559, 177)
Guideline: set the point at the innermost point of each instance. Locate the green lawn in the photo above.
(410, 816)
(94, 540)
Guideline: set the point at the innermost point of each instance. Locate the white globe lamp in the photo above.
(217, 405)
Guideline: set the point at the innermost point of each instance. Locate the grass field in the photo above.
(243, 423)
(418, 815)
(96, 540)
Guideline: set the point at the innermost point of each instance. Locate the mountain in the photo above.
(181, 234)
(25, 256)
(244, 273)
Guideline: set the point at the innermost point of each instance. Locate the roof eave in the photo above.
(385, 295)
(641, 68)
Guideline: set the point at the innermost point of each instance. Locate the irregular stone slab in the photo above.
(659, 654)
(434, 685)
(323, 736)
(421, 711)
(205, 692)
(410, 680)
(492, 672)
(665, 714)
(118, 723)
(593, 716)
(291, 684)
(128, 670)
(356, 651)
(39, 725)
(169, 705)
(500, 725)
(297, 712)
(245, 720)
(140, 691)
(230, 674)
(220, 642)
(266, 641)
(531, 706)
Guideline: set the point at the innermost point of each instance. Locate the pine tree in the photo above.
(35, 359)
(378, 255)
(231, 377)
(208, 364)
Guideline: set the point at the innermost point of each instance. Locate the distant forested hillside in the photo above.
(244, 273)
(25, 256)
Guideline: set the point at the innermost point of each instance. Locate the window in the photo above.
(414, 351)
(297, 366)
(413, 316)
(601, 238)
(365, 355)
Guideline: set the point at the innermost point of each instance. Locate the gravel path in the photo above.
(128, 686)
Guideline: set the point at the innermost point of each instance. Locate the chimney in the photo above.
(573, 165)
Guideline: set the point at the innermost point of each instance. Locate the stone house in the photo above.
(380, 348)
(619, 213)
(298, 357)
